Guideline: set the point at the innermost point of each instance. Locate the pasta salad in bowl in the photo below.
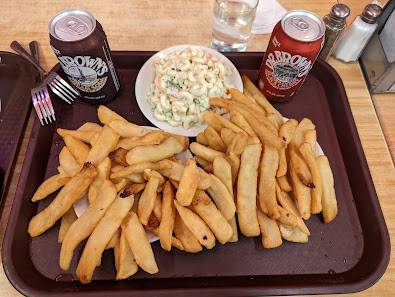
(174, 86)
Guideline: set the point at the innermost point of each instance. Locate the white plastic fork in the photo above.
(57, 84)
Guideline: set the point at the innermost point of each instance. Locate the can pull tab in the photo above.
(77, 26)
(299, 23)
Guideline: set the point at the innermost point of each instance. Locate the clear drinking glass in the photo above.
(232, 24)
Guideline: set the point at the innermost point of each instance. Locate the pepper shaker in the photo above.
(361, 30)
(335, 23)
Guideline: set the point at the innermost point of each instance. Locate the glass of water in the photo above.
(232, 24)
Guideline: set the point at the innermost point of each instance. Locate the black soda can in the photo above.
(81, 46)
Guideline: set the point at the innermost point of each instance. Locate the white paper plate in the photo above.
(147, 75)
(80, 206)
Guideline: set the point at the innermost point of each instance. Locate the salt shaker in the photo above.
(335, 24)
(361, 30)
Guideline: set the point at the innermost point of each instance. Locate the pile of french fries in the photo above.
(134, 183)
(269, 166)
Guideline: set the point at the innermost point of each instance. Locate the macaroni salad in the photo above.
(184, 83)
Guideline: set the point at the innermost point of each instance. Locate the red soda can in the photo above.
(294, 45)
(81, 46)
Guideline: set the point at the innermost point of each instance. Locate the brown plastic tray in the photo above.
(17, 77)
(347, 255)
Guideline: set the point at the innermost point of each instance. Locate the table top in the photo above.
(133, 25)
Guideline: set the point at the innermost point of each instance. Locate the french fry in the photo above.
(310, 136)
(68, 162)
(122, 184)
(153, 223)
(223, 171)
(265, 134)
(64, 180)
(204, 152)
(206, 209)
(127, 263)
(329, 203)
(106, 115)
(287, 130)
(214, 139)
(139, 244)
(234, 162)
(136, 201)
(282, 163)
(316, 193)
(300, 167)
(125, 129)
(82, 135)
(114, 239)
(188, 184)
(303, 126)
(119, 156)
(271, 236)
(103, 173)
(148, 197)
(166, 226)
(247, 189)
(70, 193)
(77, 148)
(48, 187)
(89, 126)
(103, 146)
(174, 241)
(186, 237)
(196, 225)
(227, 135)
(272, 118)
(86, 223)
(267, 182)
(151, 138)
(157, 210)
(137, 178)
(201, 138)
(261, 99)
(301, 192)
(286, 217)
(288, 204)
(100, 236)
(284, 183)
(176, 170)
(222, 198)
(212, 120)
(140, 167)
(238, 144)
(153, 153)
(183, 140)
(237, 119)
(67, 220)
(243, 99)
(233, 224)
(293, 234)
(202, 162)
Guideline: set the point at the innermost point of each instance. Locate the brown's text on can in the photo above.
(294, 45)
(81, 47)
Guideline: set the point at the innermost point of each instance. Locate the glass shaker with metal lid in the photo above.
(361, 30)
(335, 24)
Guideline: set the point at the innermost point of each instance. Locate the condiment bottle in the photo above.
(361, 30)
(335, 24)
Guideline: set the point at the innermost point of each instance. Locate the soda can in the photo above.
(294, 45)
(81, 46)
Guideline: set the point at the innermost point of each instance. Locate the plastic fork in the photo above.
(40, 96)
(57, 84)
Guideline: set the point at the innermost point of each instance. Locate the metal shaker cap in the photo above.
(339, 13)
(371, 13)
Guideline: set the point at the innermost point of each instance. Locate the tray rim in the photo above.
(354, 286)
(20, 120)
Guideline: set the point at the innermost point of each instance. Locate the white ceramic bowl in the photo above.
(147, 75)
